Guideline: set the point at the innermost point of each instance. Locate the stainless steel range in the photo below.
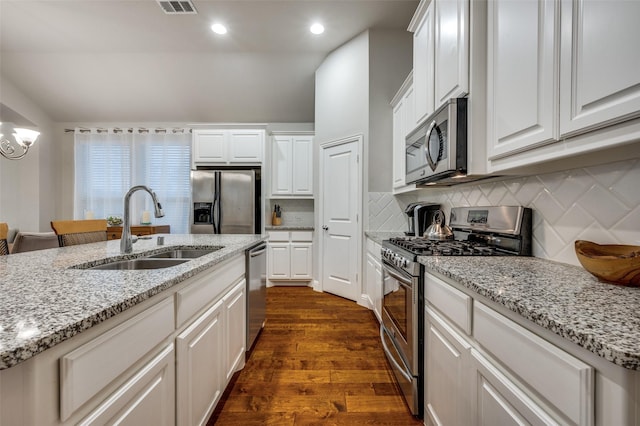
(477, 231)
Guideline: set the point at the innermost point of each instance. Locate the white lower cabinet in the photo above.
(165, 361)
(235, 328)
(373, 276)
(447, 396)
(498, 401)
(498, 372)
(290, 256)
(200, 375)
(148, 398)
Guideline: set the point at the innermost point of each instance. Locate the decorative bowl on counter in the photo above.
(114, 220)
(614, 263)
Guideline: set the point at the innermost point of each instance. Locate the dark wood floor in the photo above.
(318, 361)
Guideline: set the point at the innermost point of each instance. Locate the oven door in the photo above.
(399, 306)
(398, 333)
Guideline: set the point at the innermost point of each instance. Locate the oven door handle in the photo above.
(404, 281)
(390, 357)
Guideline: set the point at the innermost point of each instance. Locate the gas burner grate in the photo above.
(425, 247)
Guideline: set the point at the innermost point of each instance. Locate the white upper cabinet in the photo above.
(423, 66)
(292, 165)
(246, 146)
(403, 123)
(451, 53)
(562, 80)
(222, 146)
(210, 146)
(600, 65)
(522, 95)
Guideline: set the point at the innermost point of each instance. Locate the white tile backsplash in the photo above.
(600, 204)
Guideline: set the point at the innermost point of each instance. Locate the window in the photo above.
(108, 163)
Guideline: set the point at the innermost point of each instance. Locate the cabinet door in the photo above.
(498, 401)
(209, 146)
(279, 261)
(447, 375)
(522, 79)
(398, 146)
(147, 399)
(281, 174)
(200, 368)
(302, 165)
(451, 50)
(423, 70)
(599, 78)
(235, 328)
(301, 261)
(245, 146)
(377, 289)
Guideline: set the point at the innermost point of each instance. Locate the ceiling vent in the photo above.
(181, 7)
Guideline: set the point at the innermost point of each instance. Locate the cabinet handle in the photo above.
(325, 227)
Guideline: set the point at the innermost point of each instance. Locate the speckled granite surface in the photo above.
(43, 302)
(379, 236)
(565, 299)
(289, 228)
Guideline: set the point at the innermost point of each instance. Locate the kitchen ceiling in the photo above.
(128, 61)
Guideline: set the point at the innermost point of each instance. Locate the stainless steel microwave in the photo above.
(436, 151)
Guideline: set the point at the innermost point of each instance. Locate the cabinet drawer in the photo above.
(563, 380)
(453, 303)
(278, 236)
(207, 289)
(88, 369)
(304, 236)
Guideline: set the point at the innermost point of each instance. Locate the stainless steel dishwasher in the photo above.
(256, 291)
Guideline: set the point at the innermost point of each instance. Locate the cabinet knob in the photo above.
(325, 227)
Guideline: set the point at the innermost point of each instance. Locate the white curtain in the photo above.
(108, 163)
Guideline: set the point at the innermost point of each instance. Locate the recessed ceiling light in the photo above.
(317, 28)
(219, 29)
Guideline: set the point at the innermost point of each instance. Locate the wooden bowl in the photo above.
(614, 263)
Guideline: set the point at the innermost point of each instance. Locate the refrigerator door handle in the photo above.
(214, 218)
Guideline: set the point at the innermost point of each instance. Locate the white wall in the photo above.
(596, 203)
(342, 92)
(390, 61)
(28, 186)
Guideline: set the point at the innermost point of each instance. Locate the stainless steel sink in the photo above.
(182, 254)
(143, 263)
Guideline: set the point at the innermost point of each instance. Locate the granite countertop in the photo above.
(379, 236)
(43, 302)
(567, 300)
(289, 228)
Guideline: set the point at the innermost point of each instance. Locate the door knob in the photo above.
(326, 228)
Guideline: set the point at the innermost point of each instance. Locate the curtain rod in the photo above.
(129, 130)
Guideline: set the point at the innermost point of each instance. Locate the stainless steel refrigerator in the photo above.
(225, 201)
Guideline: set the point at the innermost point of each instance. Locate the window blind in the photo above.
(107, 164)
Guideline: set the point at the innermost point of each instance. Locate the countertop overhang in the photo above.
(564, 299)
(44, 301)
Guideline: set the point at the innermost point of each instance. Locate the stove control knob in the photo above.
(405, 263)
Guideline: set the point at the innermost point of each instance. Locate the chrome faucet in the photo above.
(126, 242)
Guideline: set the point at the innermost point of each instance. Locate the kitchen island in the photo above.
(532, 339)
(80, 345)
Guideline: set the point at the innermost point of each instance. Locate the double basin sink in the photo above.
(156, 261)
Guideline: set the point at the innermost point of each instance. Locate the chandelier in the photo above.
(18, 147)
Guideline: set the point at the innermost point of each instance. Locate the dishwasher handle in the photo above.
(257, 250)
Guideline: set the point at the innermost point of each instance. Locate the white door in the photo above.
(339, 192)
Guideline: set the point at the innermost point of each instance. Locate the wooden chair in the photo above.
(31, 241)
(4, 246)
(73, 232)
